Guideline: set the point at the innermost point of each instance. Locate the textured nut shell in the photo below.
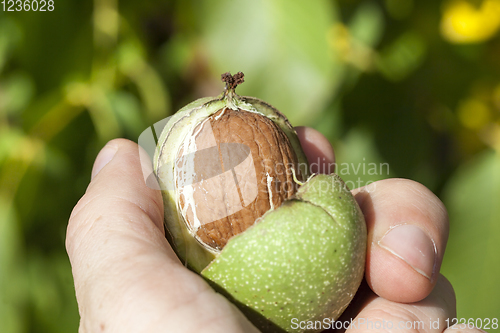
(230, 196)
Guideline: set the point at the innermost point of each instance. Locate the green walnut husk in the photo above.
(302, 261)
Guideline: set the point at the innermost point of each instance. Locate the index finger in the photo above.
(407, 228)
(407, 235)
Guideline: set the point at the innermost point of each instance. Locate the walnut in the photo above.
(242, 211)
(244, 166)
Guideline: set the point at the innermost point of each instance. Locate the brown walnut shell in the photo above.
(228, 203)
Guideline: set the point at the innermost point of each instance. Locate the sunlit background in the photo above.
(415, 84)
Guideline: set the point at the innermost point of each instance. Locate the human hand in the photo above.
(128, 278)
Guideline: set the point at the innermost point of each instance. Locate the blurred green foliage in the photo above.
(411, 85)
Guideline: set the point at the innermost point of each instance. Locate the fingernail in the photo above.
(414, 246)
(104, 157)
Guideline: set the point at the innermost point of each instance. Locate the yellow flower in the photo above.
(462, 22)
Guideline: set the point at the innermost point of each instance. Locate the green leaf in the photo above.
(50, 288)
(15, 93)
(128, 112)
(472, 263)
(402, 57)
(281, 46)
(10, 35)
(367, 25)
(12, 281)
(153, 93)
(9, 140)
(358, 160)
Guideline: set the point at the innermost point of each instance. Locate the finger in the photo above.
(431, 314)
(127, 277)
(407, 234)
(318, 150)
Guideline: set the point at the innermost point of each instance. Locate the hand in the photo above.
(128, 278)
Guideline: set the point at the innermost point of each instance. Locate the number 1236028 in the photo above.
(27, 5)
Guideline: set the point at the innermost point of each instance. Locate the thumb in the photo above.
(117, 191)
(115, 238)
(127, 277)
